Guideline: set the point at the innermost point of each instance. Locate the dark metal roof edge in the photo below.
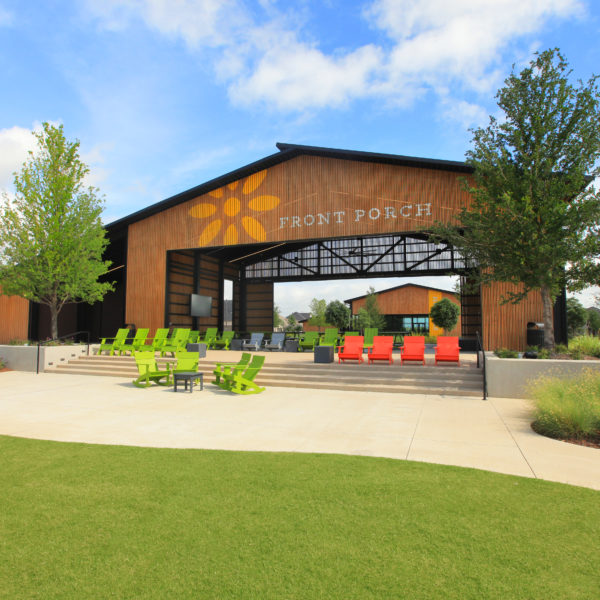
(397, 287)
(203, 188)
(393, 159)
(286, 152)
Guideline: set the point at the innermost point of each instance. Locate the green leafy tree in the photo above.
(593, 320)
(370, 314)
(577, 316)
(534, 220)
(293, 325)
(444, 314)
(51, 236)
(277, 319)
(317, 311)
(337, 314)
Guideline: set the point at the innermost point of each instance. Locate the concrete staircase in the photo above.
(452, 380)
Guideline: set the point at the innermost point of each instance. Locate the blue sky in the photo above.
(167, 94)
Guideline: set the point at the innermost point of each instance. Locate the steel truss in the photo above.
(378, 256)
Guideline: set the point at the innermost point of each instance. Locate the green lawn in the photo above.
(85, 521)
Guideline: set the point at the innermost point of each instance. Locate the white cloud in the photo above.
(272, 60)
(15, 143)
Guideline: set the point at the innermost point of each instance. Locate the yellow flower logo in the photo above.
(227, 218)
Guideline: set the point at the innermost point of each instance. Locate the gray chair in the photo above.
(254, 342)
(276, 343)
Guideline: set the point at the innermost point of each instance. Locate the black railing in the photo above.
(85, 334)
(480, 348)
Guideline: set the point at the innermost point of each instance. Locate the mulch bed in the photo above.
(593, 443)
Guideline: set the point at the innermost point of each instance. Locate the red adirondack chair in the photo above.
(413, 349)
(382, 348)
(352, 348)
(447, 349)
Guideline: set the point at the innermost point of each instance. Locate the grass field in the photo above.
(84, 521)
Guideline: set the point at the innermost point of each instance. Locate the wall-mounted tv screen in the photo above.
(200, 306)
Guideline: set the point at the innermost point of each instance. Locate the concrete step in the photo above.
(410, 379)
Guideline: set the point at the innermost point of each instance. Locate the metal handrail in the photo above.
(480, 347)
(62, 337)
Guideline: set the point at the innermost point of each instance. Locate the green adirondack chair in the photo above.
(210, 335)
(112, 344)
(149, 371)
(223, 341)
(240, 382)
(178, 341)
(135, 344)
(308, 341)
(370, 333)
(158, 341)
(193, 337)
(330, 338)
(220, 368)
(186, 361)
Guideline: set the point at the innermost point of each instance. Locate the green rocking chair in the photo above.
(243, 383)
(149, 371)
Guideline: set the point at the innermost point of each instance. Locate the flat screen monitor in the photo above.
(200, 306)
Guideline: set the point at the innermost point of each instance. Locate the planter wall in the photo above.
(24, 358)
(510, 377)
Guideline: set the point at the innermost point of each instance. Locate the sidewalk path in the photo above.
(493, 435)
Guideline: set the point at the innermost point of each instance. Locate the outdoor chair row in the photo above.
(162, 342)
(446, 350)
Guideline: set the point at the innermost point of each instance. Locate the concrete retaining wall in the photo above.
(24, 358)
(509, 377)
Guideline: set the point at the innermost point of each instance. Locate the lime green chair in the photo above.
(149, 371)
(242, 382)
(210, 335)
(308, 341)
(194, 337)
(112, 344)
(158, 341)
(223, 341)
(220, 368)
(178, 341)
(135, 344)
(330, 338)
(370, 333)
(186, 361)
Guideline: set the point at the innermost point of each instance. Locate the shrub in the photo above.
(585, 344)
(568, 408)
(506, 353)
(17, 342)
(431, 339)
(2, 363)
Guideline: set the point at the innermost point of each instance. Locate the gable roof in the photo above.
(287, 152)
(398, 287)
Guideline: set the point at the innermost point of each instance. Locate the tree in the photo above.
(51, 236)
(534, 220)
(293, 325)
(337, 314)
(317, 311)
(370, 315)
(593, 320)
(576, 316)
(444, 314)
(277, 319)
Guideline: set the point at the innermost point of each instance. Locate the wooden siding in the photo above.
(505, 326)
(259, 305)
(14, 324)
